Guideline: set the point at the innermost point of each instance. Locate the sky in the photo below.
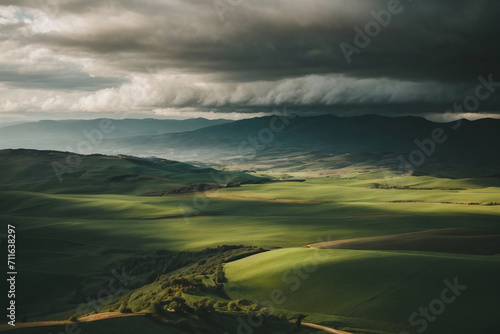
(244, 58)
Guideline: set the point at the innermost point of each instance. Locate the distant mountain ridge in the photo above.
(286, 143)
(57, 135)
(427, 147)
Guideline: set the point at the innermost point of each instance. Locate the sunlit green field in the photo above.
(340, 287)
(279, 214)
(72, 241)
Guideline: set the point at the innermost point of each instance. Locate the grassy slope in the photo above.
(254, 215)
(372, 285)
(29, 170)
(75, 240)
(66, 241)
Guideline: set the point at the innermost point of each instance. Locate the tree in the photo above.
(124, 309)
(74, 317)
(233, 306)
(157, 309)
(219, 274)
(179, 305)
(221, 304)
(298, 322)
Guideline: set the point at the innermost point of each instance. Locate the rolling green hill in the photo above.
(75, 234)
(64, 172)
(378, 289)
(71, 239)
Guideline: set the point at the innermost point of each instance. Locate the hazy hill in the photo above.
(470, 149)
(62, 172)
(317, 143)
(67, 134)
(4, 124)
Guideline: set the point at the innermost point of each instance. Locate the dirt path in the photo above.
(323, 328)
(94, 317)
(109, 315)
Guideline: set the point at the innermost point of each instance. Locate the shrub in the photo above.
(220, 304)
(204, 305)
(179, 305)
(243, 302)
(74, 317)
(202, 301)
(124, 309)
(157, 309)
(254, 308)
(233, 306)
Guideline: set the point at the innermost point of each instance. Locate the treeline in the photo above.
(176, 275)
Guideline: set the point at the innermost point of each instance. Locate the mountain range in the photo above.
(402, 144)
(326, 143)
(67, 134)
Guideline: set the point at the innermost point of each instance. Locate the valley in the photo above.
(73, 235)
(250, 167)
(354, 245)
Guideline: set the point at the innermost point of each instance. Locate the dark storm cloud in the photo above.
(261, 53)
(55, 80)
(430, 40)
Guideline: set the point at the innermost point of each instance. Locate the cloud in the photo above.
(163, 90)
(151, 54)
(54, 79)
(183, 113)
(273, 40)
(450, 117)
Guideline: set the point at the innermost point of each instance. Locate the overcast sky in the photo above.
(185, 58)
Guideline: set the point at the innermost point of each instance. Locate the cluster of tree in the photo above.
(201, 271)
(202, 274)
(160, 263)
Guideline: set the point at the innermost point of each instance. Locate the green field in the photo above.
(71, 235)
(340, 287)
